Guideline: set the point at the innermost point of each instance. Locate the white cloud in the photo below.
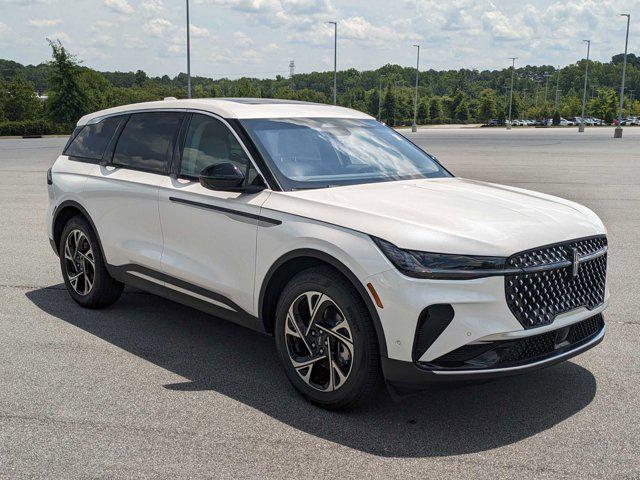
(222, 55)
(120, 6)
(297, 14)
(199, 32)
(153, 7)
(102, 41)
(44, 22)
(354, 29)
(242, 40)
(101, 25)
(453, 33)
(176, 50)
(505, 28)
(158, 27)
(62, 36)
(358, 28)
(308, 6)
(26, 2)
(250, 55)
(249, 6)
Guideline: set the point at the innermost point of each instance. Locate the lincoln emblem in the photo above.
(576, 262)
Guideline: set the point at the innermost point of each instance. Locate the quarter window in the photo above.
(92, 140)
(210, 142)
(147, 141)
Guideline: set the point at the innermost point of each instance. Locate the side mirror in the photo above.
(222, 176)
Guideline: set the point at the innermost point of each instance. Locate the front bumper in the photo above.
(480, 314)
(411, 375)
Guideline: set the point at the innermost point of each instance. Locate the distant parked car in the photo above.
(493, 123)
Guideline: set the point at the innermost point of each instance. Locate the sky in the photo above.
(233, 38)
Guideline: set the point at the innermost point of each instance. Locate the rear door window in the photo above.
(147, 141)
(91, 140)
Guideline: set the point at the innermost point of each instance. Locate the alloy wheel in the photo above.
(319, 341)
(80, 262)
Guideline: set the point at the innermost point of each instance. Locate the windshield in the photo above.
(324, 152)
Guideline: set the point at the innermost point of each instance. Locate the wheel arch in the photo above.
(63, 213)
(295, 261)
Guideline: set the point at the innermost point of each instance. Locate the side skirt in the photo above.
(186, 293)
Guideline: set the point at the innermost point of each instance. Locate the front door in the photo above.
(210, 236)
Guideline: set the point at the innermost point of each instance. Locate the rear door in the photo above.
(122, 194)
(210, 236)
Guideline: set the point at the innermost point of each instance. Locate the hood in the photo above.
(445, 215)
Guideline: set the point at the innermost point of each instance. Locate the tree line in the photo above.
(451, 96)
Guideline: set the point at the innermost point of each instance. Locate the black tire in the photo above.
(104, 290)
(364, 376)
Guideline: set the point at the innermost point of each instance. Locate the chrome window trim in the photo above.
(130, 112)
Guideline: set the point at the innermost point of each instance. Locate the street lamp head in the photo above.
(418, 46)
(628, 15)
(331, 23)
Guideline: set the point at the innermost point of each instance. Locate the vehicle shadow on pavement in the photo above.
(241, 364)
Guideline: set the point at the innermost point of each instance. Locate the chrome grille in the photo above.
(556, 279)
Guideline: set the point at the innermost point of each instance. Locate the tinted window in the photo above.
(92, 140)
(146, 143)
(210, 142)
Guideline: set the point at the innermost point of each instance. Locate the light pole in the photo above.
(414, 127)
(618, 131)
(335, 61)
(513, 71)
(188, 55)
(546, 87)
(380, 98)
(584, 92)
(557, 87)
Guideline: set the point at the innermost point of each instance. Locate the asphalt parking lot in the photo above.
(152, 389)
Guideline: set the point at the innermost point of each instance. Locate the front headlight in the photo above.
(441, 265)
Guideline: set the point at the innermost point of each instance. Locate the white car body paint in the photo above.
(138, 223)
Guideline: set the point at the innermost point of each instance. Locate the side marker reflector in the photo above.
(375, 296)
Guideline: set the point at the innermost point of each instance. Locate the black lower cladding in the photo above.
(512, 353)
(431, 323)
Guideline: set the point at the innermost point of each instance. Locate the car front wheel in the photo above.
(326, 339)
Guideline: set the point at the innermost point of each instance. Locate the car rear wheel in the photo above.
(83, 268)
(326, 340)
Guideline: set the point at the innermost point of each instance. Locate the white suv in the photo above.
(362, 255)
